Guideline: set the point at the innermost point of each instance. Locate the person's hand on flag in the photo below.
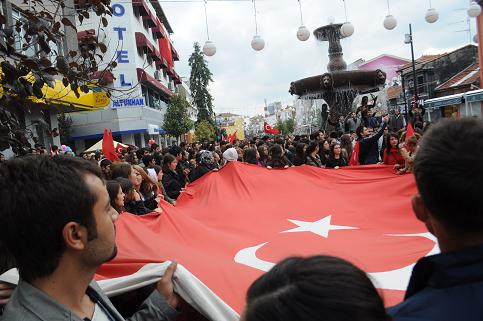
(165, 286)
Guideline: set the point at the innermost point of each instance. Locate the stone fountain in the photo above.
(338, 87)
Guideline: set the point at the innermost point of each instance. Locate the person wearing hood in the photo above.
(205, 163)
(230, 155)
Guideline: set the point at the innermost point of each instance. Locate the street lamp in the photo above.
(408, 39)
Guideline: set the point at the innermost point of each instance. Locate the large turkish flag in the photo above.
(230, 226)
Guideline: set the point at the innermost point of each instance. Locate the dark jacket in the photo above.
(313, 161)
(137, 207)
(444, 287)
(396, 123)
(198, 172)
(332, 162)
(30, 304)
(369, 149)
(173, 183)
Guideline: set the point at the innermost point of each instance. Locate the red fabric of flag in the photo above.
(108, 146)
(354, 159)
(232, 137)
(409, 131)
(269, 129)
(230, 226)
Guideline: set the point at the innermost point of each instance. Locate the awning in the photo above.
(473, 96)
(142, 7)
(175, 53)
(163, 63)
(143, 42)
(86, 33)
(150, 19)
(62, 95)
(177, 79)
(444, 101)
(159, 30)
(143, 76)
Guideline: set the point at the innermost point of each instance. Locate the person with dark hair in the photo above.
(448, 286)
(64, 239)
(396, 121)
(336, 160)
(277, 159)
(105, 165)
(251, 156)
(312, 152)
(312, 289)
(299, 158)
(368, 145)
(172, 181)
(148, 161)
(263, 152)
(116, 195)
(2, 158)
(160, 174)
(346, 145)
(392, 155)
(324, 151)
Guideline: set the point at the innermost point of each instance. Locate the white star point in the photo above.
(321, 227)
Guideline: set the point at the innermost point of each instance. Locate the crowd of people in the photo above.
(82, 199)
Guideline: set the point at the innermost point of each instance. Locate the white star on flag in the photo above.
(321, 227)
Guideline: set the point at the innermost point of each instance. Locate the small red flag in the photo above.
(108, 146)
(354, 160)
(269, 129)
(232, 137)
(409, 131)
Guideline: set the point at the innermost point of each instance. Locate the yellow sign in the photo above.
(60, 94)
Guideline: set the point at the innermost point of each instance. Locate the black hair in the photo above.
(105, 162)
(449, 174)
(299, 151)
(175, 150)
(120, 169)
(112, 187)
(39, 196)
(125, 184)
(250, 156)
(168, 159)
(359, 131)
(311, 147)
(314, 288)
(154, 147)
(147, 159)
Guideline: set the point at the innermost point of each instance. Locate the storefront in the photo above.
(468, 104)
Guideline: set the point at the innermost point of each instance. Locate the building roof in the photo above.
(424, 59)
(227, 115)
(466, 77)
(382, 56)
(394, 92)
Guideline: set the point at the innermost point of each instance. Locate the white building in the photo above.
(137, 39)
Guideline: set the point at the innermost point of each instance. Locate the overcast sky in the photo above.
(243, 78)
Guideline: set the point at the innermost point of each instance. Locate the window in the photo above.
(19, 36)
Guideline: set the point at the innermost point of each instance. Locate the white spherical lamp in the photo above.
(303, 34)
(390, 22)
(209, 49)
(475, 38)
(347, 29)
(432, 15)
(258, 43)
(474, 9)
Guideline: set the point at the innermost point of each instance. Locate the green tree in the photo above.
(176, 120)
(289, 125)
(200, 79)
(280, 125)
(205, 130)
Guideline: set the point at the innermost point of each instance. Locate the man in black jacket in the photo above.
(448, 286)
(396, 122)
(368, 148)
